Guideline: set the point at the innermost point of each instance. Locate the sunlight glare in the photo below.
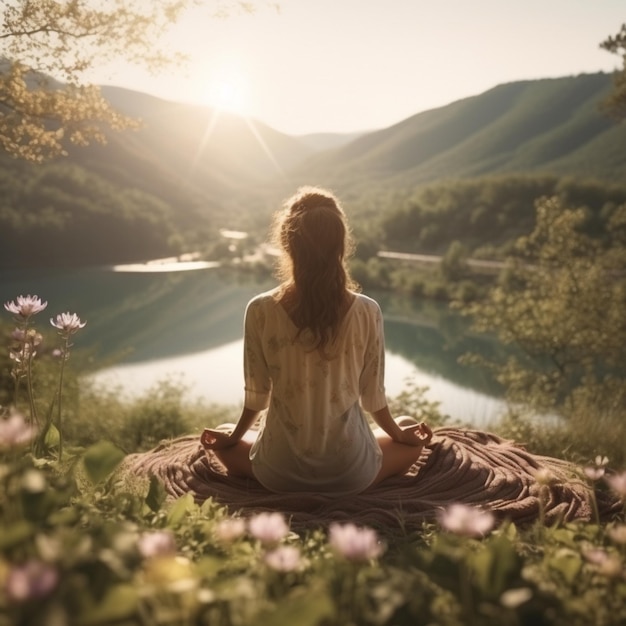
(227, 93)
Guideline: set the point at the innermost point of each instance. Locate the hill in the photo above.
(189, 170)
(552, 126)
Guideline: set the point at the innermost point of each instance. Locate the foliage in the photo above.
(561, 302)
(62, 214)
(486, 215)
(48, 41)
(65, 40)
(616, 101)
(77, 550)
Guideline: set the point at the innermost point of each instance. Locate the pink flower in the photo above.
(67, 323)
(158, 543)
(15, 431)
(617, 482)
(284, 559)
(607, 564)
(268, 527)
(354, 543)
(25, 306)
(30, 581)
(465, 520)
(230, 529)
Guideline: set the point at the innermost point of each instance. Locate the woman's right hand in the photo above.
(416, 435)
(214, 439)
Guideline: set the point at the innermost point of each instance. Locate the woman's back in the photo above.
(315, 436)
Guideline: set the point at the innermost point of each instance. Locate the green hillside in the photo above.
(189, 171)
(160, 190)
(551, 126)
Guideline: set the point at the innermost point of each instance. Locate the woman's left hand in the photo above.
(418, 435)
(213, 439)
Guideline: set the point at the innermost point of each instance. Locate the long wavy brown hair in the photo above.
(315, 242)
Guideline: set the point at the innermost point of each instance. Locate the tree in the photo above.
(561, 304)
(41, 39)
(616, 101)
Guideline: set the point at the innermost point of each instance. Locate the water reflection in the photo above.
(189, 325)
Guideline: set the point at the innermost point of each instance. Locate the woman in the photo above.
(314, 358)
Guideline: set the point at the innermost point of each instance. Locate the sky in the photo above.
(357, 65)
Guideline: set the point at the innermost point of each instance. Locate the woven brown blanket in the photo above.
(459, 465)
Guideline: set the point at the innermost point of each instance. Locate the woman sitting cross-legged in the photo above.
(314, 355)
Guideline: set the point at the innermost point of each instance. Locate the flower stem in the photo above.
(60, 396)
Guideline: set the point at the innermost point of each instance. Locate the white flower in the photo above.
(230, 529)
(353, 543)
(268, 527)
(512, 598)
(67, 323)
(158, 543)
(25, 306)
(15, 431)
(465, 520)
(602, 461)
(284, 559)
(594, 472)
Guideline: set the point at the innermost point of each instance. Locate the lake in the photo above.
(147, 326)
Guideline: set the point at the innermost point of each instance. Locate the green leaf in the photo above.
(53, 437)
(156, 494)
(180, 508)
(119, 602)
(494, 565)
(567, 562)
(15, 534)
(101, 459)
(302, 607)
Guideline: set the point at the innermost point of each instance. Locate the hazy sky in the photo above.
(350, 65)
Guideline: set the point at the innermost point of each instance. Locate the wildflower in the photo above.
(602, 461)
(607, 564)
(159, 543)
(30, 581)
(353, 543)
(67, 323)
(617, 482)
(512, 598)
(15, 431)
(594, 472)
(545, 477)
(230, 529)
(617, 533)
(284, 559)
(268, 527)
(465, 520)
(25, 306)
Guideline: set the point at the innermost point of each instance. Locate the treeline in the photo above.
(61, 214)
(487, 215)
(461, 220)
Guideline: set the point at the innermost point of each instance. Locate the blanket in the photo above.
(459, 465)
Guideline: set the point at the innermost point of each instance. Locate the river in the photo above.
(147, 326)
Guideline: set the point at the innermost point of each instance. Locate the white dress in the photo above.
(315, 436)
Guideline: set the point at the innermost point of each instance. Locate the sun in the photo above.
(227, 93)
